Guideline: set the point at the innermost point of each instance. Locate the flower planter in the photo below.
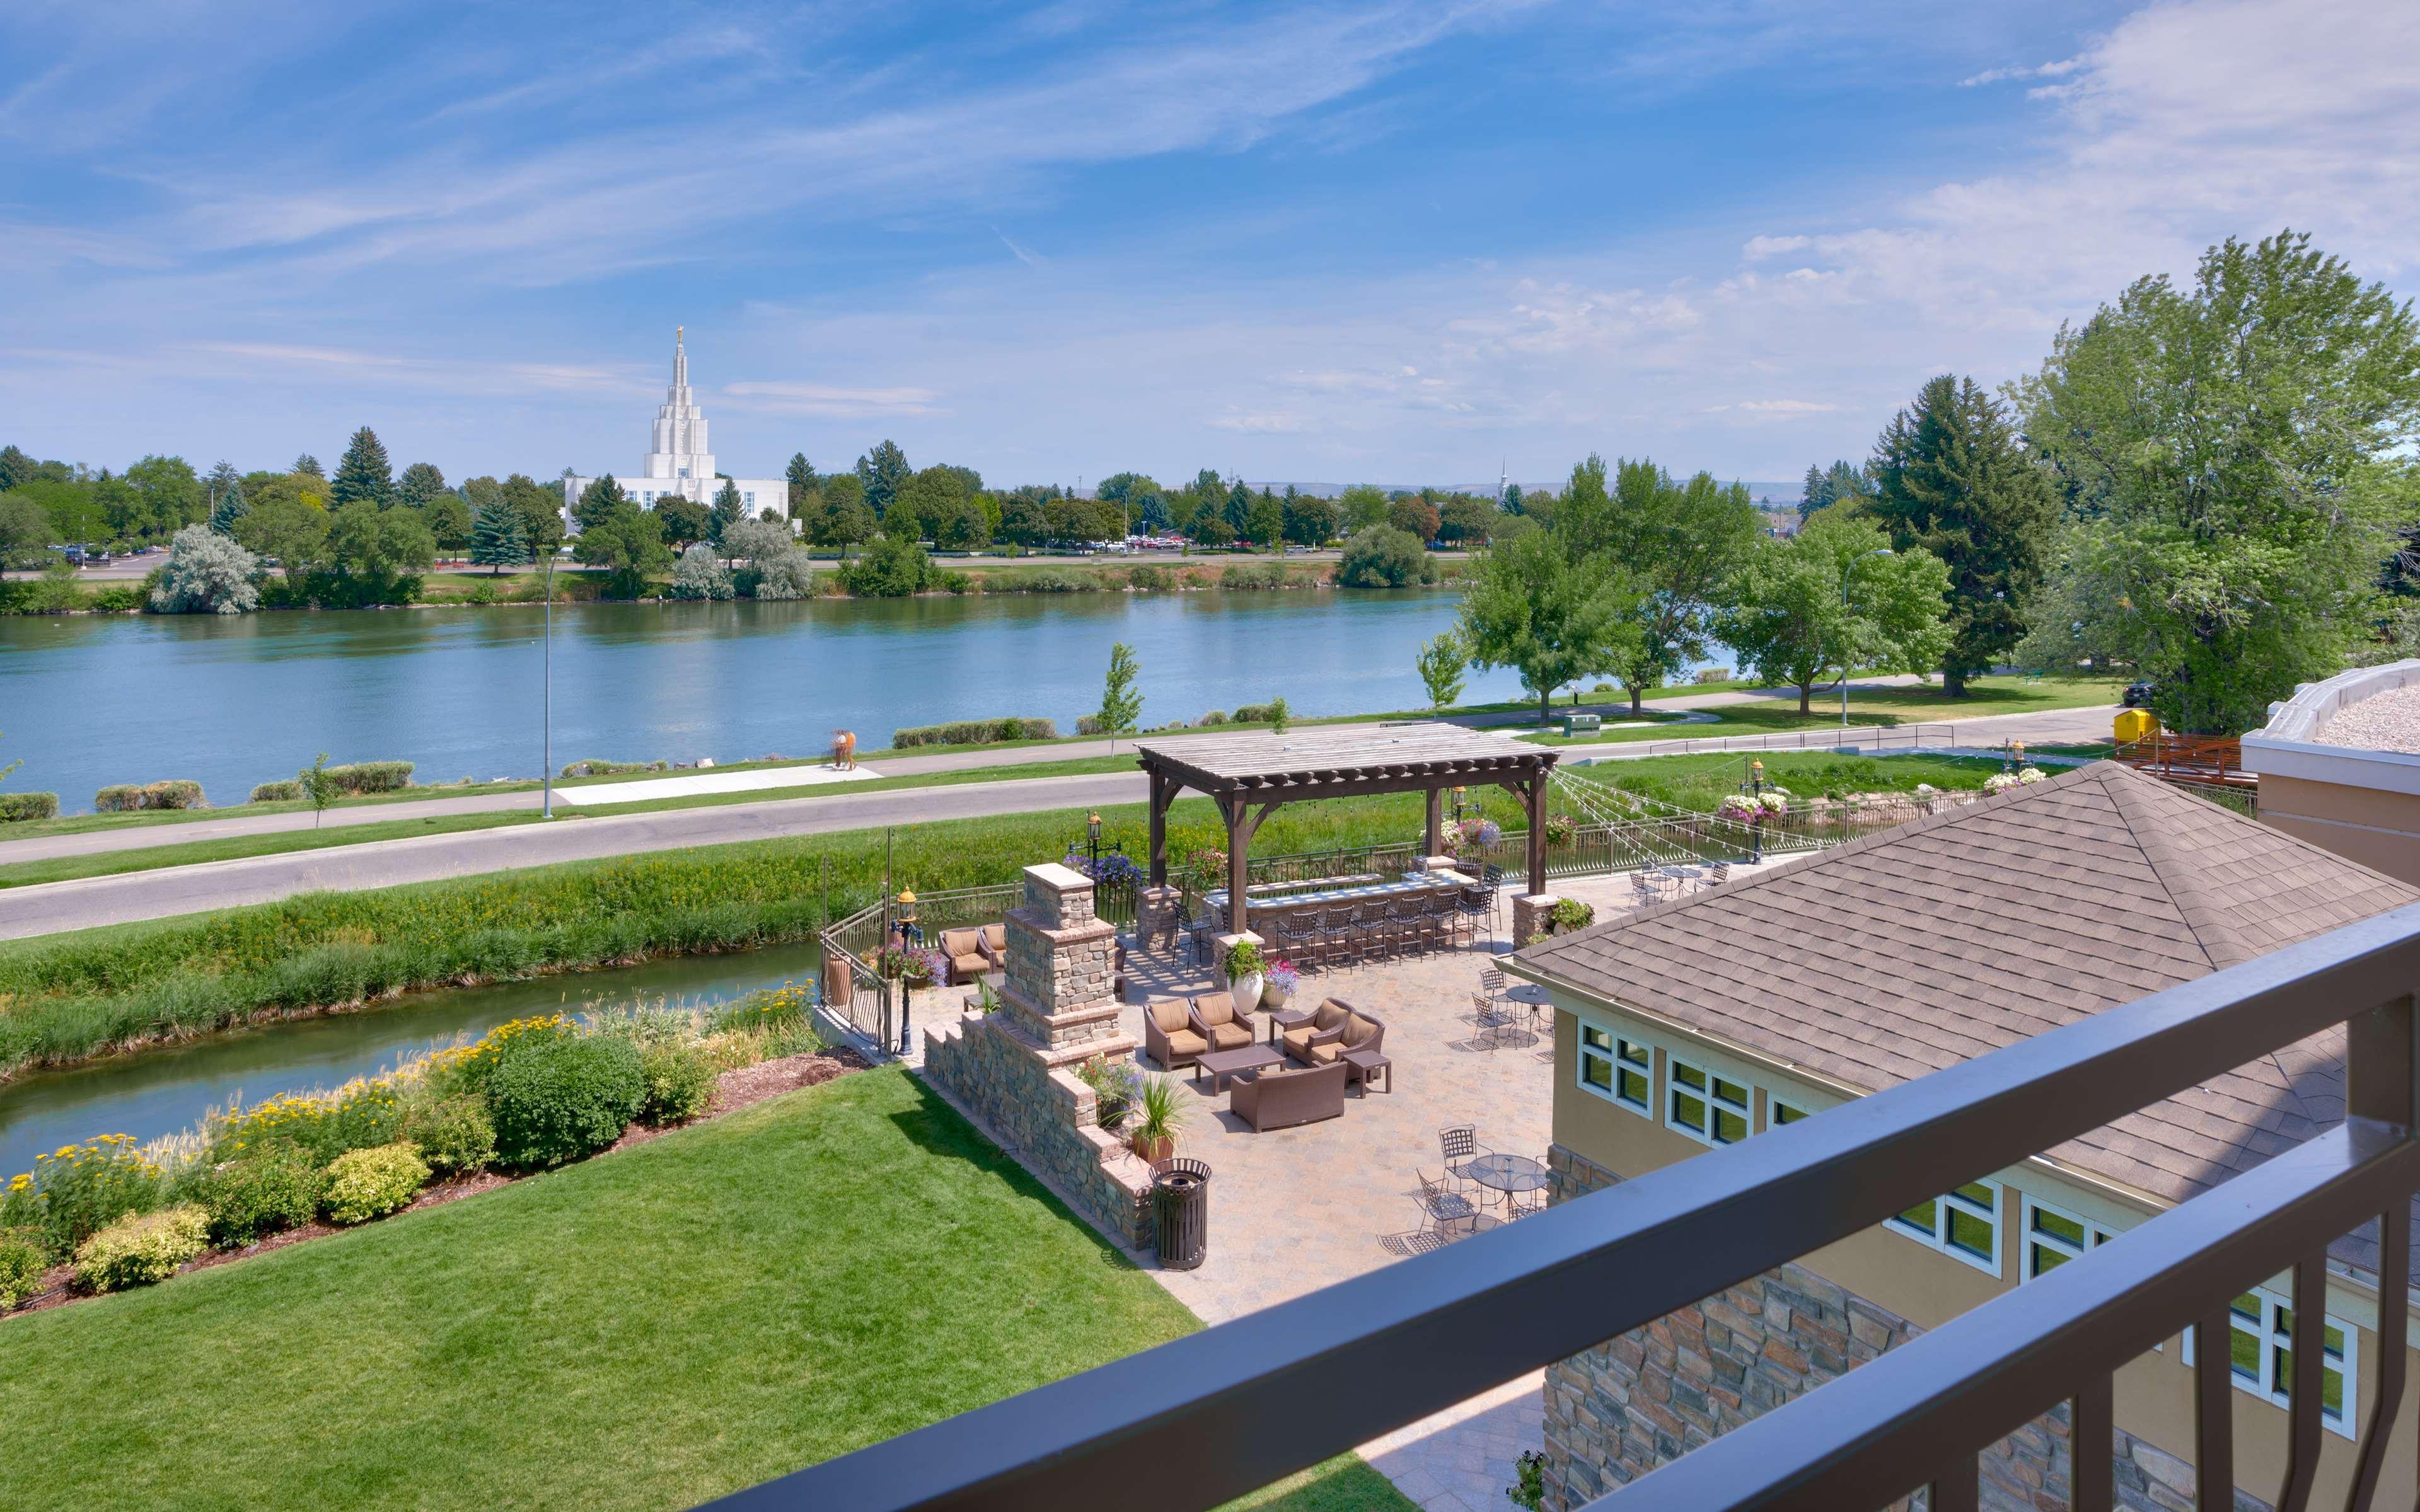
(1153, 1151)
(1273, 995)
(1246, 990)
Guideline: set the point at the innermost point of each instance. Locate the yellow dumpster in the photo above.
(2135, 724)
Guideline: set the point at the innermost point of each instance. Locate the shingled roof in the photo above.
(1911, 950)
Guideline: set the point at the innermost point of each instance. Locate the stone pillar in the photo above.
(1531, 913)
(1062, 968)
(1157, 915)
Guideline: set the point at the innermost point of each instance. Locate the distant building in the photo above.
(679, 463)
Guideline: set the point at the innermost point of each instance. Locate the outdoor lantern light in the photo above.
(1093, 825)
(1757, 767)
(907, 905)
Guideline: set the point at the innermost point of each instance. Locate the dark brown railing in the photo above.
(1200, 1420)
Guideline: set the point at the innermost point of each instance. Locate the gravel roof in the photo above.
(2386, 722)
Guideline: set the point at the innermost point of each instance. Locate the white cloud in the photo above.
(1786, 406)
(2045, 70)
(833, 402)
(1759, 248)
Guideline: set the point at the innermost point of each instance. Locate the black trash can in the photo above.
(1180, 1211)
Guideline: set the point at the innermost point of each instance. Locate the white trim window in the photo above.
(2053, 1236)
(1963, 1224)
(1621, 1070)
(1704, 1105)
(2260, 1347)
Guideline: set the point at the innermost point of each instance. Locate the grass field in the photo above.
(1989, 696)
(643, 1331)
(279, 843)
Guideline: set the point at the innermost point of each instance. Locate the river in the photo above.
(167, 1088)
(233, 701)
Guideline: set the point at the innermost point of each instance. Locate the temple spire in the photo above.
(680, 357)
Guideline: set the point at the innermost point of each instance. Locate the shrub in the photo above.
(138, 1250)
(206, 573)
(788, 576)
(125, 797)
(364, 1184)
(372, 777)
(278, 1188)
(560, 1097)
(679, 1083)
(1380, 556)
(1260, 574)
(1570, 913)
(974, 732)
(1090, 724)
(1149, 579)
(455, 1135)
(1214, 716)
(593, 768)
(22, 1260)
(76, 1191)
(117, 598)
(1255, 713)
(467, 1070)
(322, 1125)
(118, 798)
(284, 790)
(893, 567)
(16, 807)
(698, 576)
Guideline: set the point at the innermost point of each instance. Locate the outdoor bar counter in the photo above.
(1271, 905)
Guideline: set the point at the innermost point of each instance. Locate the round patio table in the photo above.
(1507, 1174)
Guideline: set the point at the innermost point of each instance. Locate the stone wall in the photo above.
(1016, 1068)
(1616, 1412)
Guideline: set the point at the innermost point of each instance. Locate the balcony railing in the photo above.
(1210, 1417)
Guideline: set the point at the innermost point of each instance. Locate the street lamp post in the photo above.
(1754, 788)
(545, 694)
(1878, 551)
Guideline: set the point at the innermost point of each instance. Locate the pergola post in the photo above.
(1239, 840)
(1435, 834)
(1537, 798)
(1160, 793)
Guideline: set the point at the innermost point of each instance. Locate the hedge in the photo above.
(124, 797)
(16, 807)
(372, 777)
(288, 791)
(595, 767)
(974, 732)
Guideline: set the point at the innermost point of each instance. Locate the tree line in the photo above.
(2210, 487)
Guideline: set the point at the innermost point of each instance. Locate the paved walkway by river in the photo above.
(166, 891)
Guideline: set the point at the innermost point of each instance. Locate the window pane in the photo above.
(1632, 1087)
(1689, 1076)
(2045, 1259)
(2335, 1341)
(1970, 1233)
(1597, 1073)
(1732, 1092)
(2246, 1306)
(2243, 1352)
(1635, 1053)
(2332, 1393)
(1920, 1216)
(1784, 1113)
(1978, 1194)
(2047, 1221)
(1689, 1112)
(1595, 1038)
(1729, 1128)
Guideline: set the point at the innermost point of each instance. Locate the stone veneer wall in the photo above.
(1616, 1412)
(1016, 1068)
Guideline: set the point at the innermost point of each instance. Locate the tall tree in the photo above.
(845, 519)
(2228, 457)
(24, 530)
(1121, 704)
(363, 475)
(881, 471)
(1511, 499)
(308, 464)
(628, 543)
(497, 538)
(1363, 505)
(597, 501)
(419, 485)
(221, 475)
(1831, 599)
(728, 511)
(1952, 478)
(1842, 483)
(1237, 508)
(540, 508)
(684, 521)
(802, 481)
(16, 470)
(1682, 542)
(1552, 613)
(230, 507)
(1415, 516)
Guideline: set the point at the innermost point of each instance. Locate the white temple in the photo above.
(679, 462)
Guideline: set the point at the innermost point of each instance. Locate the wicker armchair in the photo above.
(1214, 1018)
(1168, 1034)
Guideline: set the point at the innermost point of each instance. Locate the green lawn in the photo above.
(1702, 781)
(1988, 696)
(643, 1331)
(278, 842)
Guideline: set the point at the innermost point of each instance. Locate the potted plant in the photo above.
(1244, 964)
(1115, 1085)
(1277, 991)
(1157, 1113)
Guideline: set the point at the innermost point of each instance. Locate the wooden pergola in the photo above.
(1250, 775)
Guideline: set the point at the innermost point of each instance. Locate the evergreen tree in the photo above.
(1511, 499)
(1842, 483)
(231, 508)
(419, 485)
(1238, 511)
(221, 477)
(1121, 704)
(728, 511)
(308, 464)
(1951, 477)
(498, 539)
(883, 470)
(803, 480)
(363, 476)
(16, 468)
(597, 501)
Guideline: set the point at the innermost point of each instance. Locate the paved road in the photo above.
(171, 891)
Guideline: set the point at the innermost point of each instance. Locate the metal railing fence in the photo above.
(1222, 1413)
(1853, 738)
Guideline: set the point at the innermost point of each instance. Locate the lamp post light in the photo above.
(1754, 788)
(1878, 551)
(545, 695)
(908, 928)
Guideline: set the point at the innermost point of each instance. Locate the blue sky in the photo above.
(1342, 242)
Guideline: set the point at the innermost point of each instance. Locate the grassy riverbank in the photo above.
(854, 1261)
(64, 998)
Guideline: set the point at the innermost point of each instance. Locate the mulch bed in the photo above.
(732, 1091)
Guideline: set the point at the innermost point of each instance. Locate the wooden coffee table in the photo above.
(1222, 1065)
(1368, 1063)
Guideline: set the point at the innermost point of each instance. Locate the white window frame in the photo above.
(1743, 1109)
(2270, 1337)
(1937, 1237)
(2028, 1236)
(1613, 1051)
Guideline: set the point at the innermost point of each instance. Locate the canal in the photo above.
(238, 699)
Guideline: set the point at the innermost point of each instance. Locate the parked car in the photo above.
(2138, 695)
